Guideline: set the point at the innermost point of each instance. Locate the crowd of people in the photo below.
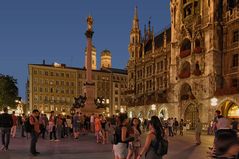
(125, 134)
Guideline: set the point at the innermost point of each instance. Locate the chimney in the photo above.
(44, 62)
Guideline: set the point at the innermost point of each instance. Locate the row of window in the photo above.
(160, 83)
(116, 102)
(149, 70)
(53, 90)
(54, 99)
(53, 82)
(48, 108)
(121, 85)
(119, 78)
(51, 73)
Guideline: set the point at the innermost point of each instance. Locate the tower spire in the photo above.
(149, 25)
(136, 19)
(136, 13)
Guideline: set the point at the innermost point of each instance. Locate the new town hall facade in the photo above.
(190, 69)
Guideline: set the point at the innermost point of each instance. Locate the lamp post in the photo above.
(100, 102)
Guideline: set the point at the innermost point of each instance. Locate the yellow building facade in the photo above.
(53, 87)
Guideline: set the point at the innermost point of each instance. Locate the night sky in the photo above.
(31, 31)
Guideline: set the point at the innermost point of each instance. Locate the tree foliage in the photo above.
(8, 91)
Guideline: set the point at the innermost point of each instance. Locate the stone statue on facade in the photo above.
(89, 23)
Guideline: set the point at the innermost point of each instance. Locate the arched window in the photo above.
(197, 48)
(197, 43)
(197, 70)
(186, 45)
(185, 49)
(186, 92)
(185, 70)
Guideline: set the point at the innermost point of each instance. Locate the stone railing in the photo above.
(232, 15)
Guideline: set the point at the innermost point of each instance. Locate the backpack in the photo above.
(161, 148)
(6, 120)
(114, 137)
(27, 125)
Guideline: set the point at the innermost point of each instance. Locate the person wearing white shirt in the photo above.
(92, 123)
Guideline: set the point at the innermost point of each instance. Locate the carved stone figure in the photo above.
(89, 23)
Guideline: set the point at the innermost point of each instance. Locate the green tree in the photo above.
(8, 91)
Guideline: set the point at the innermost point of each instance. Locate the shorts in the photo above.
(120, 150)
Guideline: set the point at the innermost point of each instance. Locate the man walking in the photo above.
(198, 130)
(170, 127)
(34, 121)
(6, 123)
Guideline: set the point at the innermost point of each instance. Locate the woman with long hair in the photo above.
(121, 132)
(154, 136)
(135, 132)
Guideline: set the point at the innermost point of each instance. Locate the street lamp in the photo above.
(121, 110)
(214, 101)
(153, 108)
(101, 103)
(63, 112)
(72, 111)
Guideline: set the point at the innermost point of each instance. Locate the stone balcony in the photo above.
(232, 15)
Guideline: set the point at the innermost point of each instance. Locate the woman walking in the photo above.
(134, 146)
(155, 135)
(120, 149)
(52, 126)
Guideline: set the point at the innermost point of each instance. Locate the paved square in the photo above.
(85, 148)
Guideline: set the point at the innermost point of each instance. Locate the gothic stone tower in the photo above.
(134, 50)
(196, 56)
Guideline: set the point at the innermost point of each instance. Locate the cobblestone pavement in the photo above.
(86, 148)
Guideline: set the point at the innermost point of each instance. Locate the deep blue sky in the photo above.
(31, 31)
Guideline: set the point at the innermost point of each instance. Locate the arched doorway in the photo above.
(191, 115)
(163, 114)
(230, 109)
